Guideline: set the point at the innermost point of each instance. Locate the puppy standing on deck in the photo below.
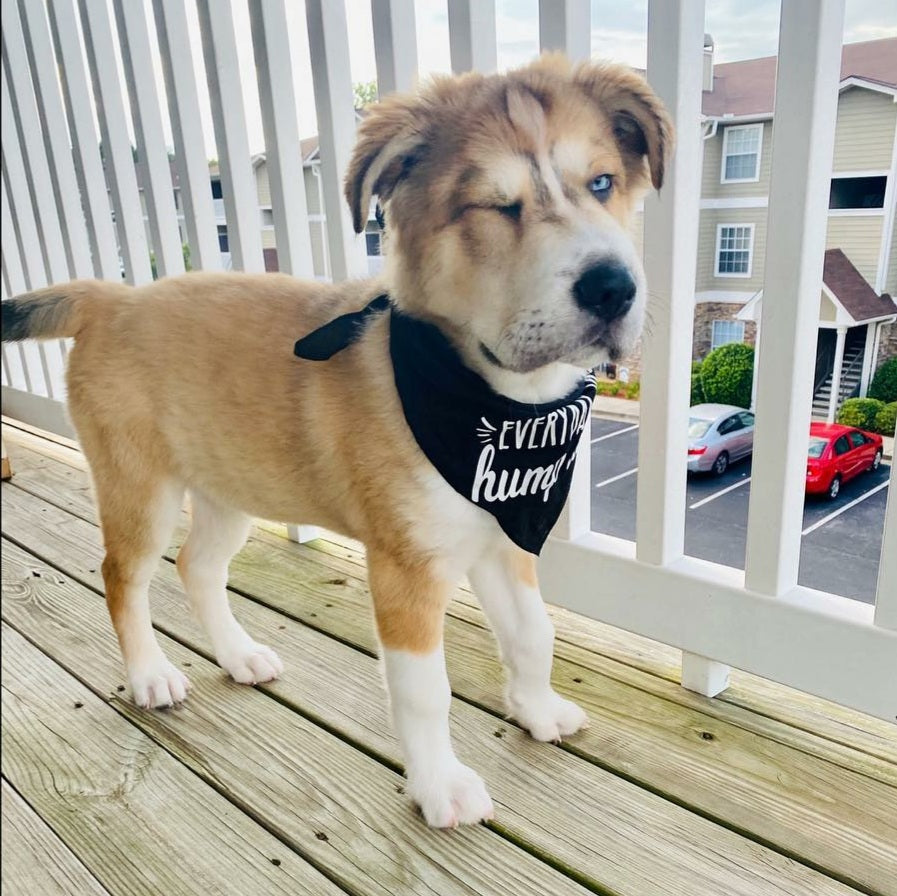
(508, 200)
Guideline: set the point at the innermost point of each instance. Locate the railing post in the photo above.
(76, 94)
(675, 46)
(886, 593)
(241, 202)
(566, 25)
(472, 36)
(19, 235)
(329, 46)
(116, 142)
(152, 155)
(52, 120)
(271, 48)
(808, 72)
(186, 131)
(395, 45)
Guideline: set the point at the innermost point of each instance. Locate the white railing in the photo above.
(760, 620)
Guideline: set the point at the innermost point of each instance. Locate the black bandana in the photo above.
(514, 460)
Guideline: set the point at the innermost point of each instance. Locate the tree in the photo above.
(365, 93)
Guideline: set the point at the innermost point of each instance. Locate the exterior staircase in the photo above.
(851, 371)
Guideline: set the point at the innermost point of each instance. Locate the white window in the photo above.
(741, 153)
(726, 331)
(734, 250)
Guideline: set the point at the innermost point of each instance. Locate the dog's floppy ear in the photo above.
(390, 140)
(640, 121)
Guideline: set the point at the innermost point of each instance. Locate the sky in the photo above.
(741, 29)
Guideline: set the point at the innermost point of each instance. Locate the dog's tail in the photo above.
(56, 311)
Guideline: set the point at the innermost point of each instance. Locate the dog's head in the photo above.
(508, 200)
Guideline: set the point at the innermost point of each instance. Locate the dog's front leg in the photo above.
(409, 606)
(506, 586)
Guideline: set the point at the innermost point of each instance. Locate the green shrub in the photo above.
(860, 412)
(697, 390)
(886, 419)
(727, 375)
(884, 383)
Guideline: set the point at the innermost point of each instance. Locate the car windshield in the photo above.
(817, 446)
(697, 427)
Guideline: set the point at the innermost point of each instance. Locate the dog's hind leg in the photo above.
(506, 586)
(216, 534)
(138, 515)
(409, 606)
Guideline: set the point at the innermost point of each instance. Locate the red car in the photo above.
(837, 454)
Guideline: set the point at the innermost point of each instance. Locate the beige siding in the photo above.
(312, 195)
(864, 136)
(859, 238)
(713, 159)
(891, 278)
(262, 185)
(269, 241)
(710, 220)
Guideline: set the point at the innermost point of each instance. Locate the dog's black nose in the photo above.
(606, 289)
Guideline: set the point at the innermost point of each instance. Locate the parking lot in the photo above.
(841, 541)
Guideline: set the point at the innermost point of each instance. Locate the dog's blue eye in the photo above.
(601, 186)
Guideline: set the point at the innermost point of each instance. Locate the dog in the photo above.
(508, 201)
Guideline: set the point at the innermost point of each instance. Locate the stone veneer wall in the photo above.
(887, 345)
(705, 314)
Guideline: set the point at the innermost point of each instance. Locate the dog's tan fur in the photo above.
(191, 382)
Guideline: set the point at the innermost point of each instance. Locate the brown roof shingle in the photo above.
(852, 290)
(748, 87)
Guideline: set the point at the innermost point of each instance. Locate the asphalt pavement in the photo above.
(841, 542)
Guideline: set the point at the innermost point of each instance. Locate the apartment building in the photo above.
(857, 316)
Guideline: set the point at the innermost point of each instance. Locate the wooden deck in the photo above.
(296, 787)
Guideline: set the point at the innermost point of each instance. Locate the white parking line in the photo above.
(841, 510)
(616, 432)
(615, 478)
(719, 494)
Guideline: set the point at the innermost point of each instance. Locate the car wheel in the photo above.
(876, 461)
(721, 464)
(834, 488)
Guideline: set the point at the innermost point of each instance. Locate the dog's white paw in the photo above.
(158, 684)
(547, 716)
(454, 795)
(250, 663)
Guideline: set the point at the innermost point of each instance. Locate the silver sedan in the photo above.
(717, 435)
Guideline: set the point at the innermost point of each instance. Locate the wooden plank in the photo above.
(608, 828)
(792, 717)
(35, 860)
(139, 820)
(325, 799)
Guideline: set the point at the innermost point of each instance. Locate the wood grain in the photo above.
(326, 800)
(139, 820)
(796, 719)
(616, 834)
(35, 860)
(834, 818)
